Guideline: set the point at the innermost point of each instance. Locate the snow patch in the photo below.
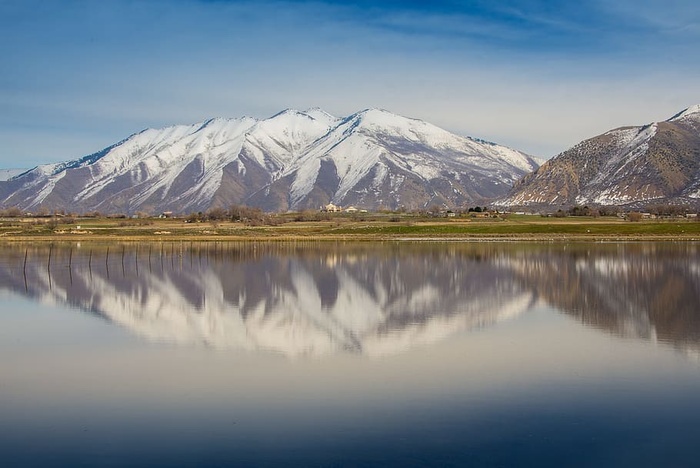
(691, 112)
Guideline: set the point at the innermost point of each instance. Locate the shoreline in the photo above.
(351, 238)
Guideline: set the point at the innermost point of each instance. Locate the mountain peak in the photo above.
(314, 114)
(692, 111)
(320, 114)
(632, 165)
(292, 160)
(381, 118)
(288, 111)
(378, 113)
(223, 122)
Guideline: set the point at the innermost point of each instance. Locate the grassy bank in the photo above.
(350, 228)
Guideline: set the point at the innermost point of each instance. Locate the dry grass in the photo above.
(513, 228)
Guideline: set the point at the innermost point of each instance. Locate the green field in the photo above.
(368, 227)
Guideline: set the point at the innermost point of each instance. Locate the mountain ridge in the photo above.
(290, 161)
(654, 163)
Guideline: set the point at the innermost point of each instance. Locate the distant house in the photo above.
(331, 208)
(166, 214)
(351, 209)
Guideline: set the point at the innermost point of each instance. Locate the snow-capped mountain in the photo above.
(655, 163)
(292, 160)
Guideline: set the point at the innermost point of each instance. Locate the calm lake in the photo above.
(350, 354)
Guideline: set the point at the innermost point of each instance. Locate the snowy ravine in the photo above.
(290, 161)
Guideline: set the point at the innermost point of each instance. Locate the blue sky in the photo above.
(539, 76)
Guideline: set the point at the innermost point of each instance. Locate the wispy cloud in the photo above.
(520, 72)
(661, 16)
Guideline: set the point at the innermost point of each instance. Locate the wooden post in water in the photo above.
(70, 265)
(24, 270)
(48, 267)
(107, 262)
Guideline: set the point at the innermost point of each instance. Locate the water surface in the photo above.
(398, 354)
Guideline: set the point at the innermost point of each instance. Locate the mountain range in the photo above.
(373, 159)
(293, 160)
(657, 163)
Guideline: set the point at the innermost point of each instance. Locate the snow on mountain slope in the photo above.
(159, 156)
(379, 147)
(292, 160)
(284, 137)
(692, 113)
(655, 163)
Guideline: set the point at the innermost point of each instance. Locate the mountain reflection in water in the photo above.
(314, 299)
